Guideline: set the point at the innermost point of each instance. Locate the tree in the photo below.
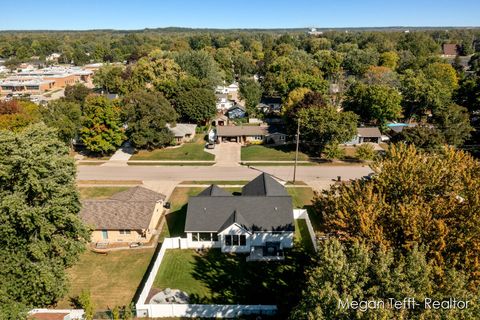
(200, 65)
(357, 61)
(65, 116)
(197, 105)
(16, 115)
(454, 124)
(146, 115)
(102, 130)
(41, 232)
(86, 303)
(77, 93)
(110, 78)
(389, 59)
(343, 272)
(333, 151)
(115, 313)
(365, 151)
(251, 92)
(423, 137)
(376, 103)
(415, 198)
(293, 98)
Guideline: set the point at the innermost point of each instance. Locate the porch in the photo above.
(268, 252)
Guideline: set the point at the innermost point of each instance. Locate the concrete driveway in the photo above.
(227, 154)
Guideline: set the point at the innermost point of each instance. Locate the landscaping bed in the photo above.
(188, 151)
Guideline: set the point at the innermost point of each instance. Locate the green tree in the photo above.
(415, 198)
(16, 115)
(454, 124)
(146, 115)
(86, 303)
(201, 65)
(389, 59)
(102, 130)
(376, 103)
(357, 61)
(333, 151)
(365, 151)
(424, 137)
(197, 105)
(65, 116)
(41, 232)
(77, 93)
(251, 92)
(109, 78)
(356, 272)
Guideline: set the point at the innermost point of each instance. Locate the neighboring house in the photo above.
(183, 132)
(450, 49)
(52, 314)
(245, 134)
(232, 88)
(270, 105)
(53, 57)
(220, 120)
(259, 222)
(128, 216)
(223, 102)
(366, 134)
(236, 112)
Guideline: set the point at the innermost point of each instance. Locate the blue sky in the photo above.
(139, 14)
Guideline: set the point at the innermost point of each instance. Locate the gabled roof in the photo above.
(131, 210)
(369, 132)
(214, 191)
(264, 185)
(264, 205)
(235, 131)
(237, 218)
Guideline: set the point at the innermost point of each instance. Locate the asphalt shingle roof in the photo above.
(131, 210)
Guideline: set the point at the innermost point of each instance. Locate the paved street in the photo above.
(179, 173)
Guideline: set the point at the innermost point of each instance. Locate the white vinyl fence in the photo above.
(303, 214)
(145, 309)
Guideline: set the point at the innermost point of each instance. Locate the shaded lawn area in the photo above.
(277, 153)
(187, 151)
(302, 198)
(99, 192)
(216, 277)
(111, 279)
(302, 235)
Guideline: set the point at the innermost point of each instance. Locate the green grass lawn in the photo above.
(219, 182)
(301, 196)
(176, 271)
(111, 279)
(302, 235)
(188, 151)
(263, 153)
(99, 192)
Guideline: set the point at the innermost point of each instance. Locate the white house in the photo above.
(259, 222)
(223, 102)
(232, 88)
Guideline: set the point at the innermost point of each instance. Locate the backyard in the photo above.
(111, 279)
(187, 151)
(278, 153)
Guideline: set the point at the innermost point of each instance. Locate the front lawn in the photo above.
(278, 153)
(187, 151)
(111, 279)
(99, 192)
(301, 196)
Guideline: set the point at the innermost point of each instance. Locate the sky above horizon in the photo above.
(140, 14)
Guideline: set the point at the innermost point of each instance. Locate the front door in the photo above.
(105, 234)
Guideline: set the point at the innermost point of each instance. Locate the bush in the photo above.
(365, 151)
(333, 151)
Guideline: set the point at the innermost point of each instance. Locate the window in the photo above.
(243, 240)
(235, 240)
(204, 236)
(214, 237)
(258, 137)
(282, 138)
(124, 231)
(228, 240)
(195, 236)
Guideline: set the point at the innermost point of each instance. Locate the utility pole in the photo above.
(296, 151)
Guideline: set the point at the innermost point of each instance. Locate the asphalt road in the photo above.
(181, 173)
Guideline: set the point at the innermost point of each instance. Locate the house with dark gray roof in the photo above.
(259, 221)
(128, 216)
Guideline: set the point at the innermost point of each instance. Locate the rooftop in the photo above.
(369, 132)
